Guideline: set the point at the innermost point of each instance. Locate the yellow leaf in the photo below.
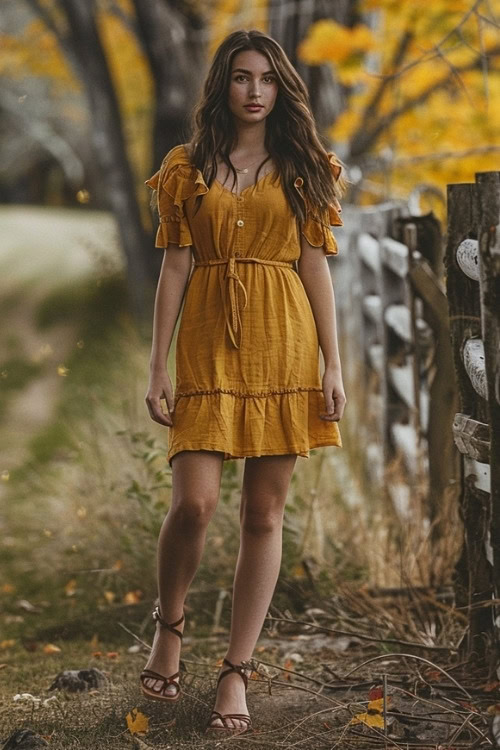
(50, 648)
(137, 722)
(372, 720)
(109, 596)
(70, 587)
(7, 643)
(7, 588)
(373, 716)
(132, 597)
(94, 641)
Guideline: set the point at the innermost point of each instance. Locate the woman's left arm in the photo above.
(315, 276)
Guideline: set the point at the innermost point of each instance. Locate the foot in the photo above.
(230, 699)
(164, 658)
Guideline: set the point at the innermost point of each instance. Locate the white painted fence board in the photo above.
(475, 365)
(398, 317)
(401, 377)
(395, 255)
(481, 472)
(405, 439)
(376, 356)
(369, 252)
(372, 307)
(468, 258)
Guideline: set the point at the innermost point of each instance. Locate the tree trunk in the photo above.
(110, 151)
(170, 37)
(288, 25)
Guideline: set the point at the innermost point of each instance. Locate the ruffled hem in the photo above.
(250, 425)
(175, 182)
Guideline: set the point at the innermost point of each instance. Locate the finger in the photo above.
(156, 412)
(340, 402)
(329, 405)
(169, 398)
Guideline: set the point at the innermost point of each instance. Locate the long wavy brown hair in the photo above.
(291, 137)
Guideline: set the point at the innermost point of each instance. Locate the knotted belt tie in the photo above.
(233, 281)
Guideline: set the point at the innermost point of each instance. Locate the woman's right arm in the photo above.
(172, 282)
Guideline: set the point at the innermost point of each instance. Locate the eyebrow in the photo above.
(242, 70)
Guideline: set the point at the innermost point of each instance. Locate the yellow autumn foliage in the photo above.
(436, 107)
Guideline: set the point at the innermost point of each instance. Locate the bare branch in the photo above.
(364, 140)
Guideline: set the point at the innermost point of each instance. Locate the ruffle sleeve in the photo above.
(316, 227)
(175, 182)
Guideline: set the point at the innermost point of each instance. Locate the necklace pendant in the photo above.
(245, 171)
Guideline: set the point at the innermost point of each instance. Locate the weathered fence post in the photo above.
(474, 578)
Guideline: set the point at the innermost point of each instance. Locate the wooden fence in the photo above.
(473, 288)
(395, 313)
(423, 345)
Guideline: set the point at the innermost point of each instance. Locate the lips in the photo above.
(253, 107)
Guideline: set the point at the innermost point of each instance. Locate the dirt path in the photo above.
(41, 249)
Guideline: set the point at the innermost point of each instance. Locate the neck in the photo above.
(250, 137)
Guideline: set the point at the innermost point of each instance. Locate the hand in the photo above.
(160, 386)
(333, 391)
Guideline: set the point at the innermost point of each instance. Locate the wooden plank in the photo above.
(372, 307)
(473, 573)
(405, 440)
(473, 358)
(395, 256)
(468, 258)
(472, 437)
(376, 357)
(400, 495)
(369, 252)
(444, 459)
(399, 319)
(488, 190)
(479, 473)
(401, 379)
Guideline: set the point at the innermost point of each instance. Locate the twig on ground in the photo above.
(362, 635)
(290, 671)
(411, 656)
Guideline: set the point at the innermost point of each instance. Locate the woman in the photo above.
(251, 198)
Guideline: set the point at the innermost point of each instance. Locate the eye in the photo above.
(269, 79)
(240, 77)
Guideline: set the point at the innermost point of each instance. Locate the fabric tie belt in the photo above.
(232, 282)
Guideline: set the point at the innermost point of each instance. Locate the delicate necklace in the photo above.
(245, 170)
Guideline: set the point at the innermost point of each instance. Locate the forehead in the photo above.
(251, 60)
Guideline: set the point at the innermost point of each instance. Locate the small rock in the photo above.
(24, 739)
(79, 680)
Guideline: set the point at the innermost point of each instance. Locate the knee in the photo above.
(193, 513)
(261, 521)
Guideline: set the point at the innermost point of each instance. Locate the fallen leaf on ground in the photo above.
(7, 643)
(137, 722)
(373, 716)
(51, 648)
(70, 587)
(132, 597)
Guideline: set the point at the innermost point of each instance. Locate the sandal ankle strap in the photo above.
(238, 668)
(170, 626)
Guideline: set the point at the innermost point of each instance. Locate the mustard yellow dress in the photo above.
(247, 356)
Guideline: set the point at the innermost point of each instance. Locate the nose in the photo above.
(255, 88)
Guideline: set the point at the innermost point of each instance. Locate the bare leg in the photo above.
(196, 479)
(265, 485)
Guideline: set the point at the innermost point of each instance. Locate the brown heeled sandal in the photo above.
(227, 728)
(154, 693)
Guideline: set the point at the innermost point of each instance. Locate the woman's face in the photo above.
(253, 87)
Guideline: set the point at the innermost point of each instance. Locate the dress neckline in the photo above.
(249, 187)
